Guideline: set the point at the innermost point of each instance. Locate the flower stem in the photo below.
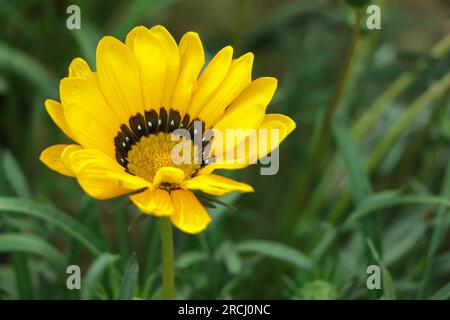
(325, 133)
(168, 274)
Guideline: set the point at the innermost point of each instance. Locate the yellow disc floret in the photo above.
(154, 152)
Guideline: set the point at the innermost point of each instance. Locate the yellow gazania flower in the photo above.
(120, 118)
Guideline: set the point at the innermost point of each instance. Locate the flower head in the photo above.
(123, 116)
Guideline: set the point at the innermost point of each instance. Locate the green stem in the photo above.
(168, 273)
(364, 124)
(121, 227)
(391, 136)
(325, 133)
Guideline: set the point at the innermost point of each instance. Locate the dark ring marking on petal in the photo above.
(185, 121)
(128, 135)
(121, 159)
(193, 128)
(151, 120)
(174, 120)
(163, 120)
(137, 124)
(151, 123)
(122, 146)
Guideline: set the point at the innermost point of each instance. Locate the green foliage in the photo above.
(377, 194)
(129, 279)
(12, 242)
(358, 3)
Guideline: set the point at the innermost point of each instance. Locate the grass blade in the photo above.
(380, 201)
(359, 182)
(16, 61)
(15, 176)
(95, 272)
(129, 279)
(15, 242)
(441, 294)
(68, 224)
(387, 282)
(275, 250)
(441, 226)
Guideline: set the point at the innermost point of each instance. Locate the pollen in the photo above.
(153, 152)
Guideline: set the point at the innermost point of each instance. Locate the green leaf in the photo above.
(65, 222)
(317, 290)
(358, 3)
(441, 294)
(16, 179)
(402, 236)
(230, 257)
(387, 283)
(121, 231)
(95, 272)
(129, 279)
(15, 176)
(30, 69)
(16, 242)
(189, 258)
(232, 261)
(151, 250)
(359, 182)
(442, 224)
(275, 250)
(407, 119)
(382, 200)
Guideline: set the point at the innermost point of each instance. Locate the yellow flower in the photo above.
(121, 118)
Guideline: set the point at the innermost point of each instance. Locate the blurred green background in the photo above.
(364, 179)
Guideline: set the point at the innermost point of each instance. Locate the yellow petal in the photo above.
(156, 202)
(235, 127)
(170, 49)
(151, 61)
(237, 79)
(216, 185)
(79, 68)
(90, 119)
(52, 157)
(78, 158)
(65, 156)
(252, 101)
(210, 168)
(273, 130)
(56, 112)
(210, 80)
(192, 60)
(119, 79)
(189, 215)
(274, 122)
(259, 92)
(101, 177)
(168, 175)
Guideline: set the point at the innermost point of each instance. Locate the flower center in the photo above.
(156, 151)
(144, 144)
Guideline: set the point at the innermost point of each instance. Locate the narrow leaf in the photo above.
(16, 242)
(129, 279)
(65, 222)
(275, 250)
